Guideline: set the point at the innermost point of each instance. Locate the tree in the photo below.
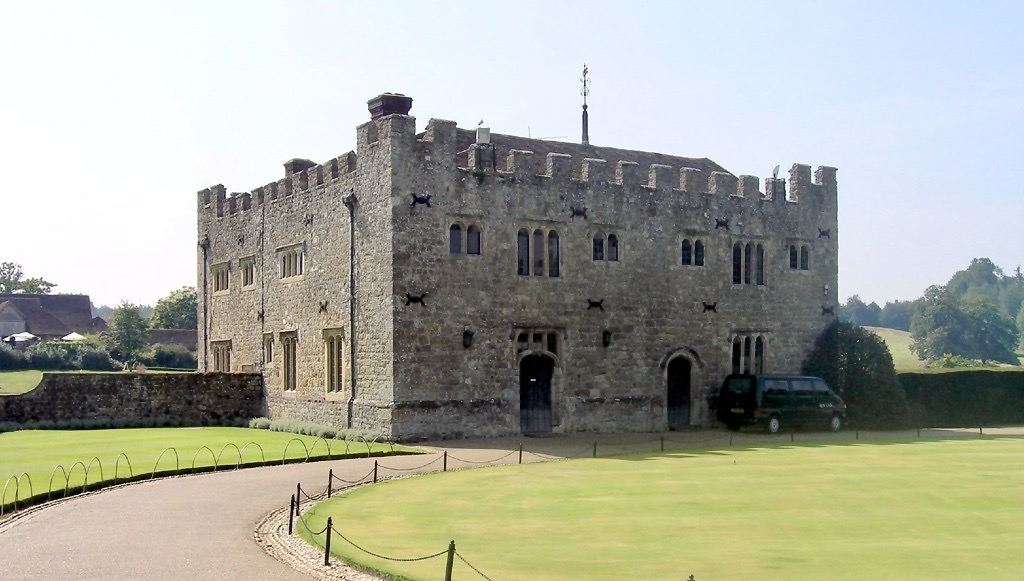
(1020, 327)
(897, 315)
(126, 332)
(857, 312)
(973, 328)
(176, 311)
(857, 364)
(12, 280)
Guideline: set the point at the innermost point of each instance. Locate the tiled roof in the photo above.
(53, 315)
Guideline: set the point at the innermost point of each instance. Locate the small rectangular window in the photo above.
(473, 240)
(268, 348)
(248, 268)
(553, 343)
(221, 351)
(220, 277)
(334, 359)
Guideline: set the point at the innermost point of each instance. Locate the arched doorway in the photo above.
(678, 393)
(535, 373)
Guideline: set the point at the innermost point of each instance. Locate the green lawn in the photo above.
(899, 346)
(883, 510)
(37, 452)
(14, 382)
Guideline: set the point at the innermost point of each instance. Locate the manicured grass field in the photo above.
(899, 346)
(14, 382)
(37, 452)
(949, 509)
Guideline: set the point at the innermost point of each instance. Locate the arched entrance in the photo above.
(678, 397)
(535, 373)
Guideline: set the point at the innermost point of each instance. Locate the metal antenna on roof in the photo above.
(585, 91)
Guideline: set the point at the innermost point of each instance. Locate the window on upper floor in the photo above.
(799, 257)
(693, 252)
(539, 250)
(248, 268)
(219, 272)
(606, 248)
(292, 260)
(748, 263)
(466, 240)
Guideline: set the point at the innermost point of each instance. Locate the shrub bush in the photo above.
(52, 356)
(260, 423)
(173, 356)
(960, 399)
(858, 366)
(11, 359)
(96, 359)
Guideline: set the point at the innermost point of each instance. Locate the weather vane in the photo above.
(584, 92)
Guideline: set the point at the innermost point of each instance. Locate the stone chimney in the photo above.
(389, 104)
(297, 165)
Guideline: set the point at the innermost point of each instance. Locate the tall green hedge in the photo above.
(973, 398)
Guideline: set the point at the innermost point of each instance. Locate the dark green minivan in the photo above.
(774, 401)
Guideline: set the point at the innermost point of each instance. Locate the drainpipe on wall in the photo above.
(350, 203)
(204, 243)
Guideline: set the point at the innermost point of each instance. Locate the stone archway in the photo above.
(678, 392)
(535, 373)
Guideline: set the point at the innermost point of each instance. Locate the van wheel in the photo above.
(774, 425)
(835, 424)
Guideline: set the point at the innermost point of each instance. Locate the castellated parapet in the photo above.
(454, 283)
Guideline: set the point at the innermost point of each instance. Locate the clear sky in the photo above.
(114, 114)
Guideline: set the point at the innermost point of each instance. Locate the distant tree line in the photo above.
(977, 315)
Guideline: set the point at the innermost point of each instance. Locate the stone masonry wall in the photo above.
(192, 398)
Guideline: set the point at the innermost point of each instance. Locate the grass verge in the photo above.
(16, 382)
(897, 509)
(38, 452)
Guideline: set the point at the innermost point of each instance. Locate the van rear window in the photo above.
(740, 385)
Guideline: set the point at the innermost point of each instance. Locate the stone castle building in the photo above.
(458, 283)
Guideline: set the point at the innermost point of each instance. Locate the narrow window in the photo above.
(748, 264)
(220, 277)
(759, 354)
(553, 343)
(759, 266)
(334, 355)
(473, 240)
(746, 354)
(523, 342)
(221, 356)
(289, 342)
(553, 254)
(248, 268)
(538, 341)
(737, 264)
(268, 348)
(455, 239)
(538, 253)
(698, 253)
(804, 258)
(794, 259)
(524, 253)
(613, 248)
(598, 246)
(737, 355)
(687, 252)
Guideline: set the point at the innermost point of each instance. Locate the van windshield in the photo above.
(740, 385)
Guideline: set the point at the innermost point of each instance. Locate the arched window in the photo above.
(759, 265)
(746, 355)
(598, 246)
(455, 239)
(613, 248)
(748, 264)
(523, 253)
(698, 253)
(759, 354)
(538, 253)
(737, 354)
(473, 239)
(687, 252)
(794, 258)
(737, 263)
(553, 254)
(804, 258)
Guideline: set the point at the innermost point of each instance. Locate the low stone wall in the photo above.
(190, 398)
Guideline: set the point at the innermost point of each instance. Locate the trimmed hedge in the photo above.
(958, 399)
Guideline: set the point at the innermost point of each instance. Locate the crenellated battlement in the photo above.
(564, 168)
(301, 176)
